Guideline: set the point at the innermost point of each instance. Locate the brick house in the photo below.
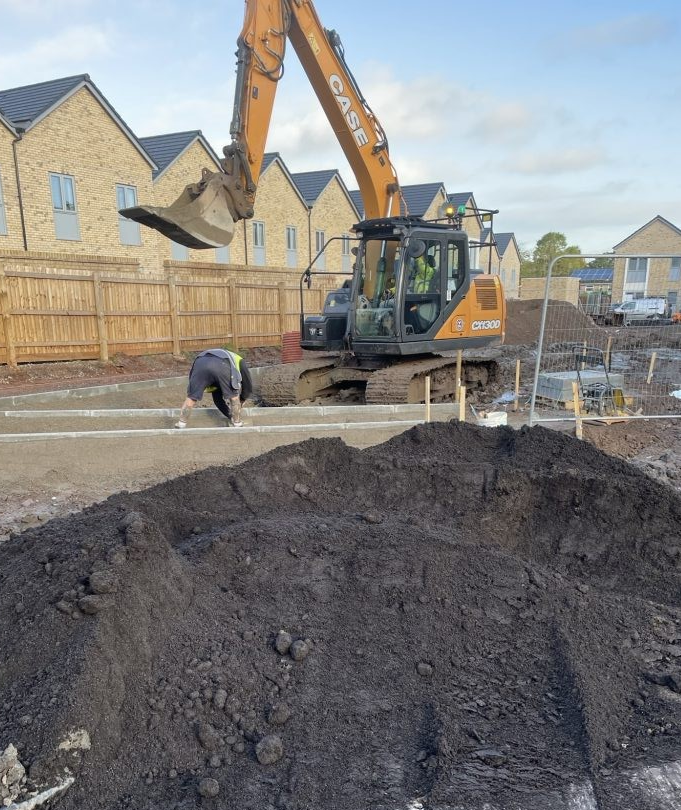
(179, 159)
(71, 158)
(641, 277)
(332, 214)
(509, 263)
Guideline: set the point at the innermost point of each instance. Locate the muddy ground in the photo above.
(462, 617)
(458, 619)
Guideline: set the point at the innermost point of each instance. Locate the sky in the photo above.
(565, 116)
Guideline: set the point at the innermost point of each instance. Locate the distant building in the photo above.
(642, 277)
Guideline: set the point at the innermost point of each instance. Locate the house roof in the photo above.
(503, 240)
(485, 234)
(460, 197)
(357, 200)
(593, 274)
(166, 149)
(24, 107)
(658, 218)
(311, 185)
(6, 123)
(267, 158)
(420, 196)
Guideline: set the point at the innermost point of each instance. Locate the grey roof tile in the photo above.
(164, 149)
(419, 197)
(311, 184)
(22, 105)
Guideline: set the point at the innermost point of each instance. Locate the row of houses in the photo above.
(69, 162)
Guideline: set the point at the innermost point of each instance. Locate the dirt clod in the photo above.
(209, 788)
(269, 750)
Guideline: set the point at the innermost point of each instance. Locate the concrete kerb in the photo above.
(307, 430)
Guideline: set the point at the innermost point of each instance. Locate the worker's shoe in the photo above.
(180, 425)
(239, 423)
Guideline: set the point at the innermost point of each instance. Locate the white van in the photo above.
(640, 309)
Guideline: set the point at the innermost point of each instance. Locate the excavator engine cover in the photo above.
(202, 220)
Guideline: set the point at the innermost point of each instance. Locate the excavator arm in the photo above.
(205, 214)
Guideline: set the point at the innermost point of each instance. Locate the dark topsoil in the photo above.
(488, 618)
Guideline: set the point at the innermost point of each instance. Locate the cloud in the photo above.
(504, 122)
(634, 31)
(69, 50)
(42, 8)
(570, 159)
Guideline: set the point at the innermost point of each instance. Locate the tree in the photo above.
(550, 245)
(610, 263)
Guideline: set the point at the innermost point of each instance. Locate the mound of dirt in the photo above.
(459, 618)
(523, 319)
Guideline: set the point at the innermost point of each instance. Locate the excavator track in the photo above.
(290, 383)
(404, 382)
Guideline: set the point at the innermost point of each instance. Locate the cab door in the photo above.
(434, 284)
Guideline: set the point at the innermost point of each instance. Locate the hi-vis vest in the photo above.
(234, 361)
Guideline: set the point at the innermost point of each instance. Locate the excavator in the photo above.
(413, 300)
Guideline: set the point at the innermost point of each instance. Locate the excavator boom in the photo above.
(205, 214)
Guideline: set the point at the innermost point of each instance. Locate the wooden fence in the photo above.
(60, 316)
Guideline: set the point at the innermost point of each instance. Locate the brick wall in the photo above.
(79, 138)
(655, 237)
(510, 264)
(278, 205)
(332, 213)
(562, 289)
(13, 238)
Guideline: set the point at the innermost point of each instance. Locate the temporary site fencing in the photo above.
(63, 316)
(589, 368)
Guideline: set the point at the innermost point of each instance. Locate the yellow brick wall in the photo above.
(13, 238)
(333, 214)
(656, 237)
(562, 289)
(186, 169)
(279, 205)
(510, 262)
(79, 138)
(432, 211)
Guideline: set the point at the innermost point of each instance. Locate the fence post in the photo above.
(174, 316)
(231, 286)
(282, 309)
(459, 363)
(7, 322)
(101, 320)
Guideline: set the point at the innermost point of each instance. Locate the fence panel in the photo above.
(63, 316)
(588, 368)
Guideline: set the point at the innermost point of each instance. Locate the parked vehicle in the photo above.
(640, 310)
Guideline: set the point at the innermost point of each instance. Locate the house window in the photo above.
(222, 254)
(675, 269)
(178, 252)
(3, 219)
(320, 262)
(637, 270)
(129, 231)
(63, 190)
(345, 253)
(673, 300)
(259, 243)
(291, 246)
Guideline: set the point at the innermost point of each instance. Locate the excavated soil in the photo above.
(461, 618)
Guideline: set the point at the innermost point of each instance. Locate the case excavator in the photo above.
(412, 300)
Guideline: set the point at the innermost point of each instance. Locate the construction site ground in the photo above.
(443, 617)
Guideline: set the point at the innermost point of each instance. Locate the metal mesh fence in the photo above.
(603, 363)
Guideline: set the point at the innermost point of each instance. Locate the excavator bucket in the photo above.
(197, 221)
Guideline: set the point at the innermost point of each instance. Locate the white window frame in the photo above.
(128, 229)
(319, 240)
(291, 246)
(65, 210)
(259, 242)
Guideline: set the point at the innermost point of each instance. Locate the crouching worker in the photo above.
(226, 376)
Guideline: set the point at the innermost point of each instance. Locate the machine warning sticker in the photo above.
(459, 324)
(484, 325)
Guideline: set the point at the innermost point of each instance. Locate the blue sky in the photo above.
(566, 116)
